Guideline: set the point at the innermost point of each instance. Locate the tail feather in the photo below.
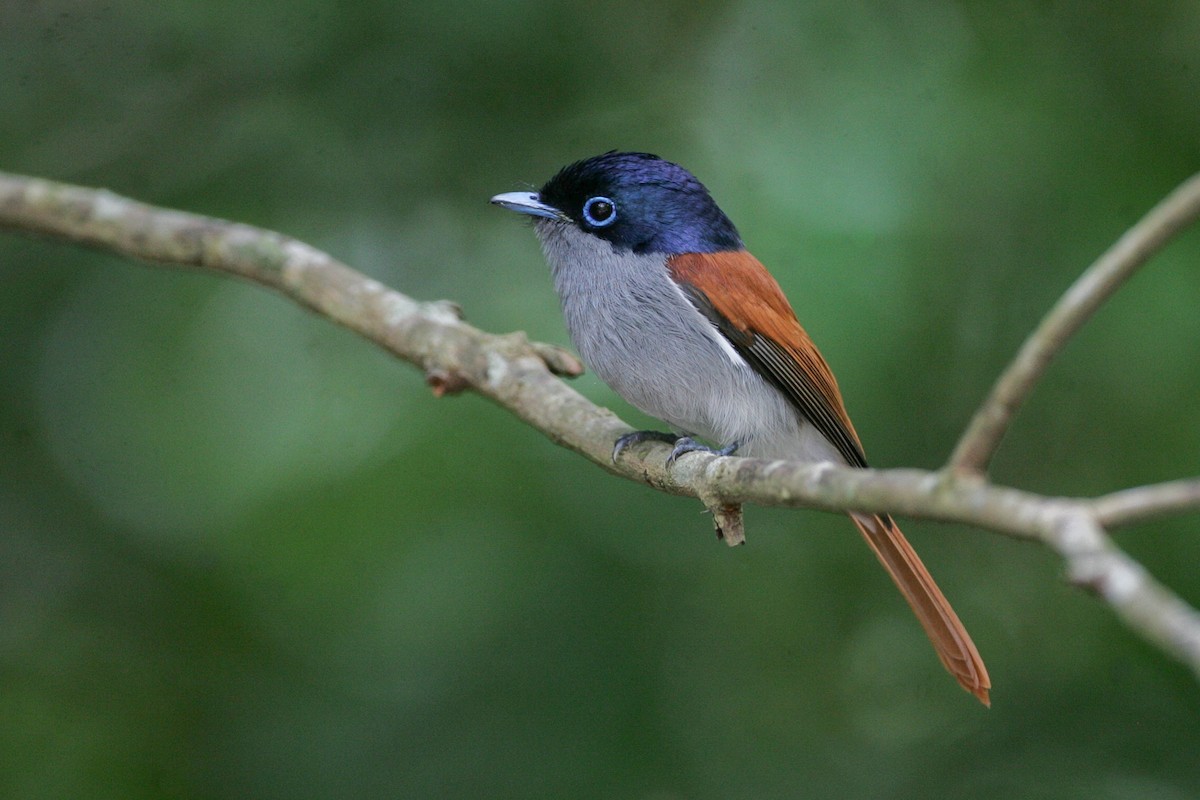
(950, 639)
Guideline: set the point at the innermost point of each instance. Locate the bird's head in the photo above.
(636, 202)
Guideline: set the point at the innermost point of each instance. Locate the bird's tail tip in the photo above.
(950, 639)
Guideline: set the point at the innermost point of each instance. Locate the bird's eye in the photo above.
(599, 212)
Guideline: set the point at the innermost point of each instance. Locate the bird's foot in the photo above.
(687, 444)
(683, 444)
(637, 437)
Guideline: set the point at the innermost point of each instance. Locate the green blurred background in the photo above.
(245, 554)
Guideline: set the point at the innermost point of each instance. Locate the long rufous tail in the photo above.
(950, 639)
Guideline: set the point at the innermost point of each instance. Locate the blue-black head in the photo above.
(637, 201)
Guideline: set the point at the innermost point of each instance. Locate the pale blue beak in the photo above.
(528, 203)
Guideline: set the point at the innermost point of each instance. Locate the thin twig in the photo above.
(1095, 563)
(1141, 503)
(978, 444)
(513, 373)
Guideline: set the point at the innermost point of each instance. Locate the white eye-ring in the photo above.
(599, 212)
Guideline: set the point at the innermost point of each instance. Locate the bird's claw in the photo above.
(682, 445)
(638, 437)
(687, 444)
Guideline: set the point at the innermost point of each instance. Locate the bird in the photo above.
(667, 306)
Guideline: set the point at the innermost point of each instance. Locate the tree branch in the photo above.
(520, 377)
(1174, 213)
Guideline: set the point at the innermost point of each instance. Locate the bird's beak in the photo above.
(528, 203)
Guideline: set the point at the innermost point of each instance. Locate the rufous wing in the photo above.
(737, 294)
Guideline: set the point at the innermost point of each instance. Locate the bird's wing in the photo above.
(737, 294)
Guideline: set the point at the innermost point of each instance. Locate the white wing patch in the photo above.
(710, 328)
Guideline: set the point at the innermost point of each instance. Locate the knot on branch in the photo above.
(444, 382)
